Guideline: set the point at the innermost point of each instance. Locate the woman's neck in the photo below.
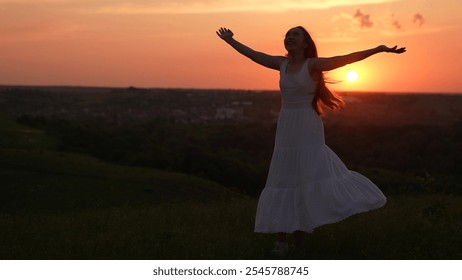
(296, 57)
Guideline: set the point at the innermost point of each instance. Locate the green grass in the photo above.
(53, 181)
(37, 177)
(406, 228)
(17, 136)
(57, 205)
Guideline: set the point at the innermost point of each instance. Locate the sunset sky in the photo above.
(172, 43)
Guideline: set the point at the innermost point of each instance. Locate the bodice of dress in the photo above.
(297, 89)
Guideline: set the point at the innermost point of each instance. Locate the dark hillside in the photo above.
(36, 177)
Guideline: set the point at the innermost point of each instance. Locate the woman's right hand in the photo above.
(225, 34)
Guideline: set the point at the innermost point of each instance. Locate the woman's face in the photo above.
(294, 39)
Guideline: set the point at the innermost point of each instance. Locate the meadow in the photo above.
(62, 198)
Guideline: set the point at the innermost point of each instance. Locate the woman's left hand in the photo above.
(395, 49)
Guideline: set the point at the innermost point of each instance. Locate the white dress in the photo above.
(308, 185)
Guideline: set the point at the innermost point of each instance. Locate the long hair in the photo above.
(323, 96)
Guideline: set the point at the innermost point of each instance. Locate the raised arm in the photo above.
(266, 60)
(330, 63)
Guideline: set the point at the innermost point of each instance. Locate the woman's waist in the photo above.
(297, 101)
(296, 105)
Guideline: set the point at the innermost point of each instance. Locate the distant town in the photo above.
(196, 106)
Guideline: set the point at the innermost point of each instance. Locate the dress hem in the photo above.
(333, 221)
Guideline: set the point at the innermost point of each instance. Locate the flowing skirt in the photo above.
(308, 185)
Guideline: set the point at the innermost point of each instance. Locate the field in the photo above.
(62, 199)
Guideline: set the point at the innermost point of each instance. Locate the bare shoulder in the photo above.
(269, 61)
(278, 60)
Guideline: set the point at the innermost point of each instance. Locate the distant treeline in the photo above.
(398, 158)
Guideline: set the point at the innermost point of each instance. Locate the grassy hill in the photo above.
(56, 205)
(37, 177)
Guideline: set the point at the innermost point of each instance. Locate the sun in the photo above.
(352, 76)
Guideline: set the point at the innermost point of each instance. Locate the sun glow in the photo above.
(352, 76)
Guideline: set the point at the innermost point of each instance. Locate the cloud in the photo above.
(363, 19)
(395, 23)
(418, 19)
(153, 7)
(217, 6)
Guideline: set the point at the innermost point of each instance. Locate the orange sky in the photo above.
(172, 43)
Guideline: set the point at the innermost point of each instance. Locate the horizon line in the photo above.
(219, 89)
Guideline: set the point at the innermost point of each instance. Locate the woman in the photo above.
(307, 185)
